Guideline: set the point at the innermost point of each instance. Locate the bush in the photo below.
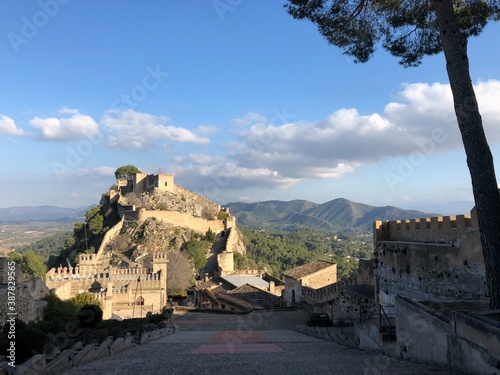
(210, 235)
(135, 324)
(18, 324)
(156, 318)
(114, 327)
(222, 215)
(59, 311)
(30, 341)
(89, 316)
(85, 298)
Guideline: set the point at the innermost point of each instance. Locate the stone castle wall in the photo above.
(108, 237)
(181, 219)
(429, 259)
(447, 229)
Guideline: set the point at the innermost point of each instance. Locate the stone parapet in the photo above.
(446, 229)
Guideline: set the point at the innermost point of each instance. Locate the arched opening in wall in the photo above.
(293, 296)
(139, 301)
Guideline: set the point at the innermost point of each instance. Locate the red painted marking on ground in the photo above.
(237, 348)
(237, 337)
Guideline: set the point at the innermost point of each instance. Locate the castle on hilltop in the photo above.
(125, 288)
(140, 183)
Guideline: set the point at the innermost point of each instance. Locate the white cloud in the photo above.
(207, 174)
(90, 173)
(73, 195)
(207, 129)
(249, 118)
(8, 126)
(423, 116)
(131, 129)
(74, 127)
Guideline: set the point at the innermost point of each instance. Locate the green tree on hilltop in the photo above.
(410, 30)
(126, 171)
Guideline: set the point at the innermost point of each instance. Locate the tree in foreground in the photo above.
(411, 29)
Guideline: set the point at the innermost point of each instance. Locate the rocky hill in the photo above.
(336, 215)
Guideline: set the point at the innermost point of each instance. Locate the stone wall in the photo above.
(321, 278)
(225, 261)
(108, 237)
(292, 293)
(462, 340)
(438, 259)
(180, 219)
(28, 304)
(447, 229)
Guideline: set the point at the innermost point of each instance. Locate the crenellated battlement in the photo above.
(446, 229)
(160, 256)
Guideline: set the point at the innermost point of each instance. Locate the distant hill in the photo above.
(336, 215)
(40, 213)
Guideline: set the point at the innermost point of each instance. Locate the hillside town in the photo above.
(427, 270)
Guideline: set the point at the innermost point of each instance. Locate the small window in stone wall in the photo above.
(166, 183)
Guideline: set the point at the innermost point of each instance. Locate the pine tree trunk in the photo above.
(479, 158)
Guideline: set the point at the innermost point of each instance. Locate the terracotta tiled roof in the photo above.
(299, 272)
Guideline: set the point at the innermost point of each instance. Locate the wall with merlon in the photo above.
(429, 259)
(447, 229)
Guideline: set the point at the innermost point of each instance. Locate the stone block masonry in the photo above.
(437, 258)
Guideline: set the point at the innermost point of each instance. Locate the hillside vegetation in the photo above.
(281, 251)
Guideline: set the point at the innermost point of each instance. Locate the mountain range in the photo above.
(336, 215)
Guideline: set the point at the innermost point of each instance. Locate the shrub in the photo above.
(114, 327)
(222, 215)
(156, 318)
(85, 298)
(89, 316)
(18, 324)
(59, 311)
(30, 341)
(134, 324)
(209, 235)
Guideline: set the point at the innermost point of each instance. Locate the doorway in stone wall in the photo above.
(293, 297)
(139, 301)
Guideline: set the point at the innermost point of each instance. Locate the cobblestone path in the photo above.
(256, 343)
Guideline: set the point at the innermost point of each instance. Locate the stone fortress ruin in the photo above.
(123, 285)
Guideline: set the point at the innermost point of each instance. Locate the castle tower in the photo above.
(160, 265)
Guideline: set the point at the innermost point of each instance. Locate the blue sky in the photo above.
(236, 98)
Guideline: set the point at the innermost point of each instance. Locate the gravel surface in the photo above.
(257, 343)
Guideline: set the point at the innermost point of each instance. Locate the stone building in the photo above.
(28, 305)
(236, 293)
(313, 275)
(346, 300)
(140, 183)
(118, 289)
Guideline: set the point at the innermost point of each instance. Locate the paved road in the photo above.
(256, 343)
